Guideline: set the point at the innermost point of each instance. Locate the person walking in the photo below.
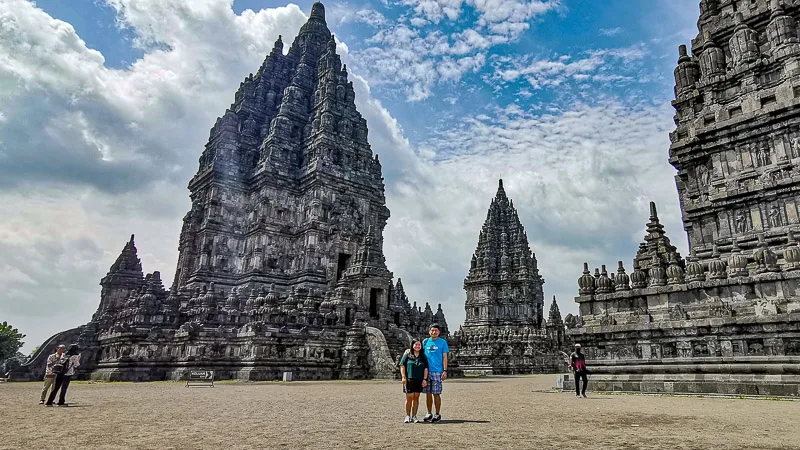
(577, 363)
(414, 370)
(49, 376)
(70, 361)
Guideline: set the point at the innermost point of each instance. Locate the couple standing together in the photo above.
(58, 373)
(423, 368)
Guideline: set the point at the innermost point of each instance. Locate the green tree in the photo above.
(10, 342)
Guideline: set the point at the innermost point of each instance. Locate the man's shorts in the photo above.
(434, 383)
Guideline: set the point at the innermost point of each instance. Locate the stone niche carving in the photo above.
(719, 308)
(677, 313)
(765, 307)
(606, 319)
(775, 215)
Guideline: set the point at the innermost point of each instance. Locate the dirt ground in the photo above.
(502, 412)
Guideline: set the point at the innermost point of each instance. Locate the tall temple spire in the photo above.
(505, 301)
(316, 22)
(503, 258)
(124, 276)
(128, 261)
(554, 318)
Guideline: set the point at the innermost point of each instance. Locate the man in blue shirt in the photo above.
(436, 351)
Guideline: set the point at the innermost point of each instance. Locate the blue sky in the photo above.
(105, 106)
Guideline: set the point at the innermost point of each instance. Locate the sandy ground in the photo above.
(502, 412)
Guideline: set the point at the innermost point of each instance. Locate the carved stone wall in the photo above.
(726, 319)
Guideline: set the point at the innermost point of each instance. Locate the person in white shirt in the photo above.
(70, 360)
(49, 376)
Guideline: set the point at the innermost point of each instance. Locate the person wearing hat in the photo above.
(577, 364)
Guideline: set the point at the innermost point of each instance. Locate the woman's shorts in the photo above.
(412, 386)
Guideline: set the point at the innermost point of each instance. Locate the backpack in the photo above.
(60, 367)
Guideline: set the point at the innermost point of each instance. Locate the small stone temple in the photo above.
(505, 331)
(281, 265)
(725, 319)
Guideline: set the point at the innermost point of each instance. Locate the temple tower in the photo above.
(503, 286)
(288, 192)
(281, 264)
(504, 327)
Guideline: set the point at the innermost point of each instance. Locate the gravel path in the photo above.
(502, 412)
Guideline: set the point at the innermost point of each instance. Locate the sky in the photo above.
(105, 106)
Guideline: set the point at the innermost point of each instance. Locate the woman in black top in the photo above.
(414, 369)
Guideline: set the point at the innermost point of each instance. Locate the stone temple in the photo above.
(727, 318)
(281, 264)
(505, 331)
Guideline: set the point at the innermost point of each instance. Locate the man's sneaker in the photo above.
(415, 419)
(578, 395)
(584, 396)
(407, 420)
(428, 417)
(41, 402)
(436, 418)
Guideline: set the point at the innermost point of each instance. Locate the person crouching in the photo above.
(414, 370)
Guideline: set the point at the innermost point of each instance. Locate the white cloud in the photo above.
(342, 13)
(598, 65)
(416, 61)
(610, 31)
(504, 16)
(415, 58)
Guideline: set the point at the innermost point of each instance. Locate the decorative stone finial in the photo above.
(604, 284)
(658, 276)
(638, 277)
(694, 270)
(653, 211)
(674, 271)
(586, 282)
(737, 263)
(622, 280)
(317, 11)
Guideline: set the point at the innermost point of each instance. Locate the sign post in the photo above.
(200, 378)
